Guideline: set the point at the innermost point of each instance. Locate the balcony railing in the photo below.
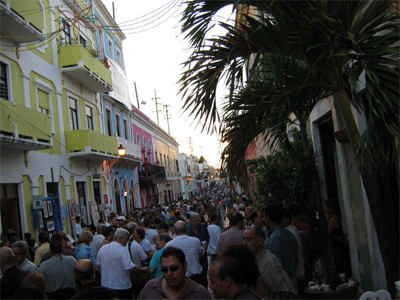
(91, 144)
(151, 174)
(24, 128)
(83, 65)
(132, 149)
(17, 24)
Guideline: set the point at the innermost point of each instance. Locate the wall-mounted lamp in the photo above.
(121, 151)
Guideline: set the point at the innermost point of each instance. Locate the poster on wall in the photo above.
(72, 212)
(94, 211)
(83, 214)
(50, 208)
(45, 212)
(41, 224)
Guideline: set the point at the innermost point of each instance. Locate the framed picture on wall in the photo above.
(50, 226)
(41, 224)
(50, 208)
(45, 212)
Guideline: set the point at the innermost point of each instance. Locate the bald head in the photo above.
(7, 258)
(180, 228)
(84, 270)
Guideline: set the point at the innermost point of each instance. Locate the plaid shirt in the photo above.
(273, 275)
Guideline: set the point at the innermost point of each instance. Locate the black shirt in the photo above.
(11, 281)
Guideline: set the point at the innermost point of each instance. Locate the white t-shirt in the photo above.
(137, 254)
(300, 271)
(192, 248)
(214, 232)
(151, 235)
(115, 261)
(77, 231)
(96, 243)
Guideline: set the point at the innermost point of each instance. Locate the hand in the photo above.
(146, 269)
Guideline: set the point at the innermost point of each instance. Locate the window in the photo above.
(97, 192)
(126, 129)
(82, 41)
(89, 117)
(144, 142)
(110, 48)
(118, 122)
(4, 89)
(108, 122)
(155, 154)
(43, 101)
(73, 113)
(67, 35)
(119, 58)
(52, 191)
(138, 138)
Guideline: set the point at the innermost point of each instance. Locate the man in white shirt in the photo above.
(193, 250)
(77, 228)
(20, 249)
(115, 265)
(98, 238)
(214, 232)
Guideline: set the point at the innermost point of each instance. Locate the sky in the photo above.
(153, 59)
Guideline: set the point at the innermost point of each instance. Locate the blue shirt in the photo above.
(83, 251)
(283, 244)
(202, 233)
(145, 245)
(155, 263)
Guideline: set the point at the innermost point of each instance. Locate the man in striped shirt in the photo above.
(273, 277)
(192, 249)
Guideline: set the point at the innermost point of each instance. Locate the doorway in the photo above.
(10, 210)
(81, 191)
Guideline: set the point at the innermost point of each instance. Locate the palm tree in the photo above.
(344, 44)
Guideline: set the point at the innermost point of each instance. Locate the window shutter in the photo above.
(43, 99)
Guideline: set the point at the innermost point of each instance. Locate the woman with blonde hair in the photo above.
(84, 250)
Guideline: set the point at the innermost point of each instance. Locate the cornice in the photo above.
(154, 129)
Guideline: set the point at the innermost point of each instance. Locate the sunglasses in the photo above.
(171, 268)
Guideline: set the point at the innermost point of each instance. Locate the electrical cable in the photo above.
(163, 21)
(141, 21)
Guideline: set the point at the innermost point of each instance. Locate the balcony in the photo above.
(173, 174)
(24, 128)
(16, 27)
(151, 174)
(83, 66)
(91, 144)
(132, 159)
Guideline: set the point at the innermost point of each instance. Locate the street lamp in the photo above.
(121, 151)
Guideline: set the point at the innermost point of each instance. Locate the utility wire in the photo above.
(156, 25)
(132, 22)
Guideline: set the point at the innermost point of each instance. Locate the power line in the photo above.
(133, 21)
(128, 31)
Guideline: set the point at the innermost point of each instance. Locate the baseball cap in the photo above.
(121, 218)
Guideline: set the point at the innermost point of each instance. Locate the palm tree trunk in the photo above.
(382, 190)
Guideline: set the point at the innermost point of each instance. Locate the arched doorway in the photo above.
(132, 195)
(117, 196)
(126, 196)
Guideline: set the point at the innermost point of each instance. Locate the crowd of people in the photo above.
(215, 245)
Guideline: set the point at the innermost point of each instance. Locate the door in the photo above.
(117, 196)
(81, 190)
(10, 212)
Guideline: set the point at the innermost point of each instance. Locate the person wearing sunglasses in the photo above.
(173, 284)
